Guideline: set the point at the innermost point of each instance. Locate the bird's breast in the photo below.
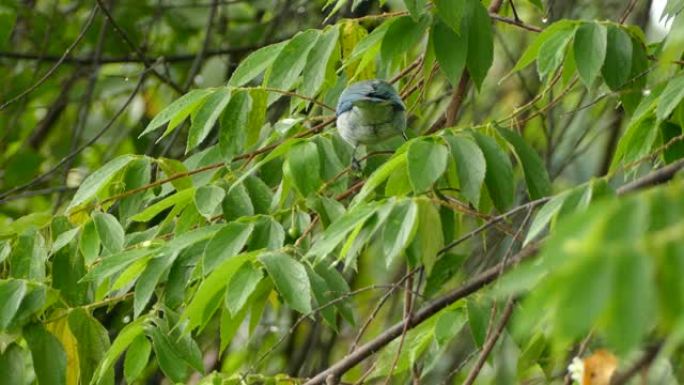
(367, 125)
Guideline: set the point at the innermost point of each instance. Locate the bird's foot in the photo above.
(356, 166)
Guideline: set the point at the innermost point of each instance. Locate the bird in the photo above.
(369, 112)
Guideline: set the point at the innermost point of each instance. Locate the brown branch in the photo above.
(457, 99)
(628, 11)
(489, 344)
(297, 95)
(621, 378)
(516, 23)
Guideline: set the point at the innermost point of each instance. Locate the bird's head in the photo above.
(369, 93)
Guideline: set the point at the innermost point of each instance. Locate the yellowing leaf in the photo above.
(60, 329)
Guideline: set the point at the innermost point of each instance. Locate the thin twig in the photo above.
(138, 51)
(489, 344)
(59, 62)
(621, 378)
(74, 153)
(408, 312)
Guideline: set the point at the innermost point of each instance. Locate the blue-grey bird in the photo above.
(368, 112)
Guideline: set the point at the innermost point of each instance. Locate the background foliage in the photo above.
(177, 206)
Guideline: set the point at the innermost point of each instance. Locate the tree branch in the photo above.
(472, 286)
(621, 378)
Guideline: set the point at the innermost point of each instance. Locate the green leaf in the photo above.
(260, 194)
(470, 164)
(226, 243)
(179, 199)
(49, 359)
(499, 178)
(237, 203)
(429, 238)
(98, 180)
(561, 27)
(415, 7)
(444, 269)
(180, 109)
(538, 181)
(552, 52)
(544, 216)
(208, 198)
(229, 326)
(89, 243)
(290, 62)
(7, 19)
(450, 13)
(11, 294)
(339, 229)
(339, 287)
(637, 141)
(448, 325)
(93, 343)
(590, 50)
(451, 50)
(291, 280)
(208, 296)
(402, 35)
(28, 256)
(147, 282)
(255, 63)
(368, 42)
(618, 63)
(116, 262)
(274, 154)
(127, 335)
(137, 356)
(399, 229)
(5, 250)
(427, 161)
(62, 240)
(480, 41)
(257, 115)
(268, 234)
(206, 116)
(169, 360)
(631, 311)
(590, 279)
(398, 183)
(241, 286)
(478, 319)
(322, 296)
(670, 97)
(234, 123)
(379, 176)
(13, 365)
(109, 231)
(319, 61)
(302, 164)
